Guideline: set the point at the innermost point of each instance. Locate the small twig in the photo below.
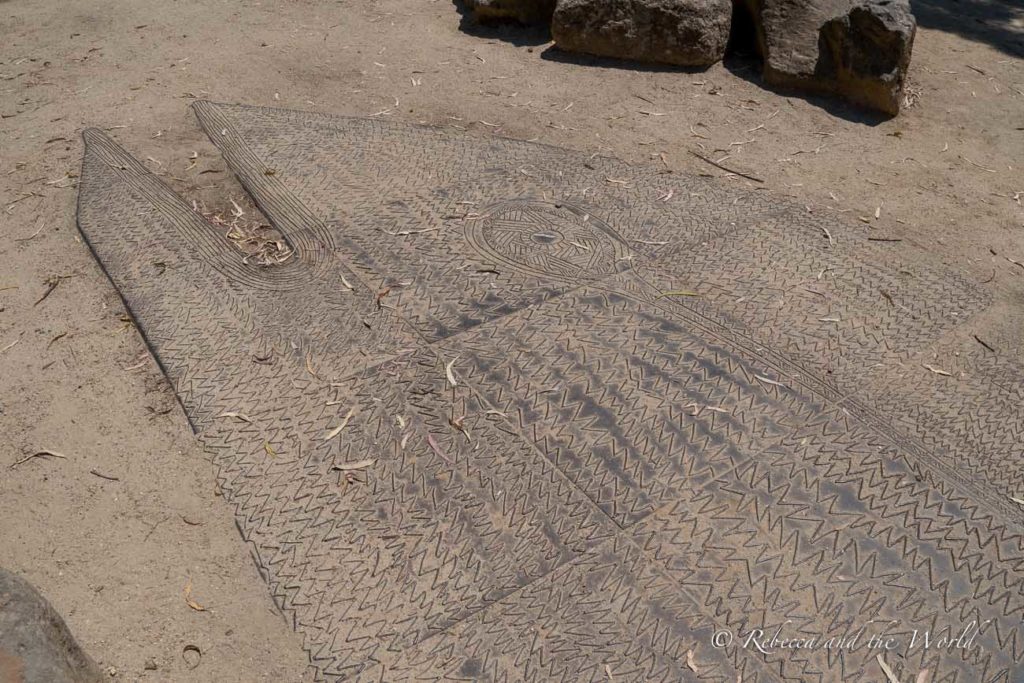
(727, 170)
(51, 284)
(38, 454)
(972, 163)
(982, 342)
(103, 476)
(768, 380)
(57, 338)
(26, 239)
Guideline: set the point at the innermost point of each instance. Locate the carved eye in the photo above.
(546, 237)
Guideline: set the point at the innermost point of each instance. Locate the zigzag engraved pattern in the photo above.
(497, 462)
(843, 305)
(977, 412)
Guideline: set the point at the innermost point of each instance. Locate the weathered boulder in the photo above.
(524, 11)
(35, 644)
(856, 49)
(682, 32)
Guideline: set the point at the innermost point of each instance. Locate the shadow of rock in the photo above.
(554, 54)
(999, 23)
(509, 31)
(748, 68)
(994, 22)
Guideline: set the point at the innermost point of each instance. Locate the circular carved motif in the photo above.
(547, 239)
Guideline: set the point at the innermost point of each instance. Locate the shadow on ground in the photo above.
(999, 23)
(508, 31)
(748, 67)
(741, 65)
(554, 54)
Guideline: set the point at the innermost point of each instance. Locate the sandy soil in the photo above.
(114, 532)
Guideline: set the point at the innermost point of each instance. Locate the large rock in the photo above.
(857, 49)
(683, 32)
(525, 11)
(35, 644)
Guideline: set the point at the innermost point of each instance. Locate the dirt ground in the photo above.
(115, 531)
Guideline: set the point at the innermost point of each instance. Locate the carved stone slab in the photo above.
(534, 415)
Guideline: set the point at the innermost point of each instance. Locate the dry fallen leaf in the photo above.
(437, 449)
(37, 454)
(698, 407)
(237, 416)
(458, 423)
(191, 654)
(886, 670)
(769, 381)
(337, 430)
(357, 465)
(450, 373)
(690, 663)
(188, 597)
